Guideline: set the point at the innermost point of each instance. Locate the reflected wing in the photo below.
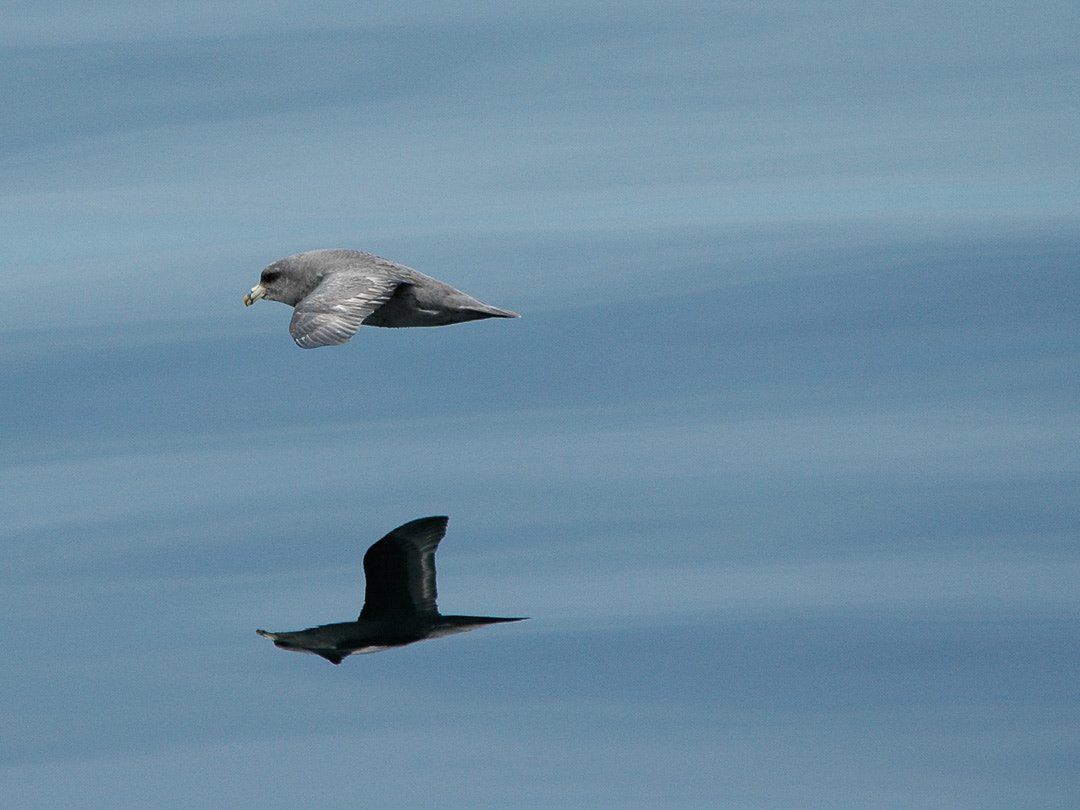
(333, 311)
(400, 570)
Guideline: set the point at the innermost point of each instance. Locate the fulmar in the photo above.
(399, 603)
(334, 292)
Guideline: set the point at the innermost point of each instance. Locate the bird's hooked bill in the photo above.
(257, 292)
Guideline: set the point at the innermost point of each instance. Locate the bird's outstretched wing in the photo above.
(332, 312)
(400, 570)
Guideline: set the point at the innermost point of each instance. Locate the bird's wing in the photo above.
(332, 312)
(400, 570)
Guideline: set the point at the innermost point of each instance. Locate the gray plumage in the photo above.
(334, 292)
(399, 602)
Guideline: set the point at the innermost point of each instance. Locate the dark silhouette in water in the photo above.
(399, 604)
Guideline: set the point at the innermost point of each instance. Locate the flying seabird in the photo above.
(399, 603)
(334, 292)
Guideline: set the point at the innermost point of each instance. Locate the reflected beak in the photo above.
(257, 292)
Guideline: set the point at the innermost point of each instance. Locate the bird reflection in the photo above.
(399, 603)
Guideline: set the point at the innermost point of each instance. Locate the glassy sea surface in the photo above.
(781, 460)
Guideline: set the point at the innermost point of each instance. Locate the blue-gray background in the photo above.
(783, 458)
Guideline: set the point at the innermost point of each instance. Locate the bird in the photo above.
(334, 292)
(399, 601)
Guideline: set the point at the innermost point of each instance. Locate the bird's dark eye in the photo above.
(270, 276)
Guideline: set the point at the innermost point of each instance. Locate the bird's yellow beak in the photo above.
(257, 292)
